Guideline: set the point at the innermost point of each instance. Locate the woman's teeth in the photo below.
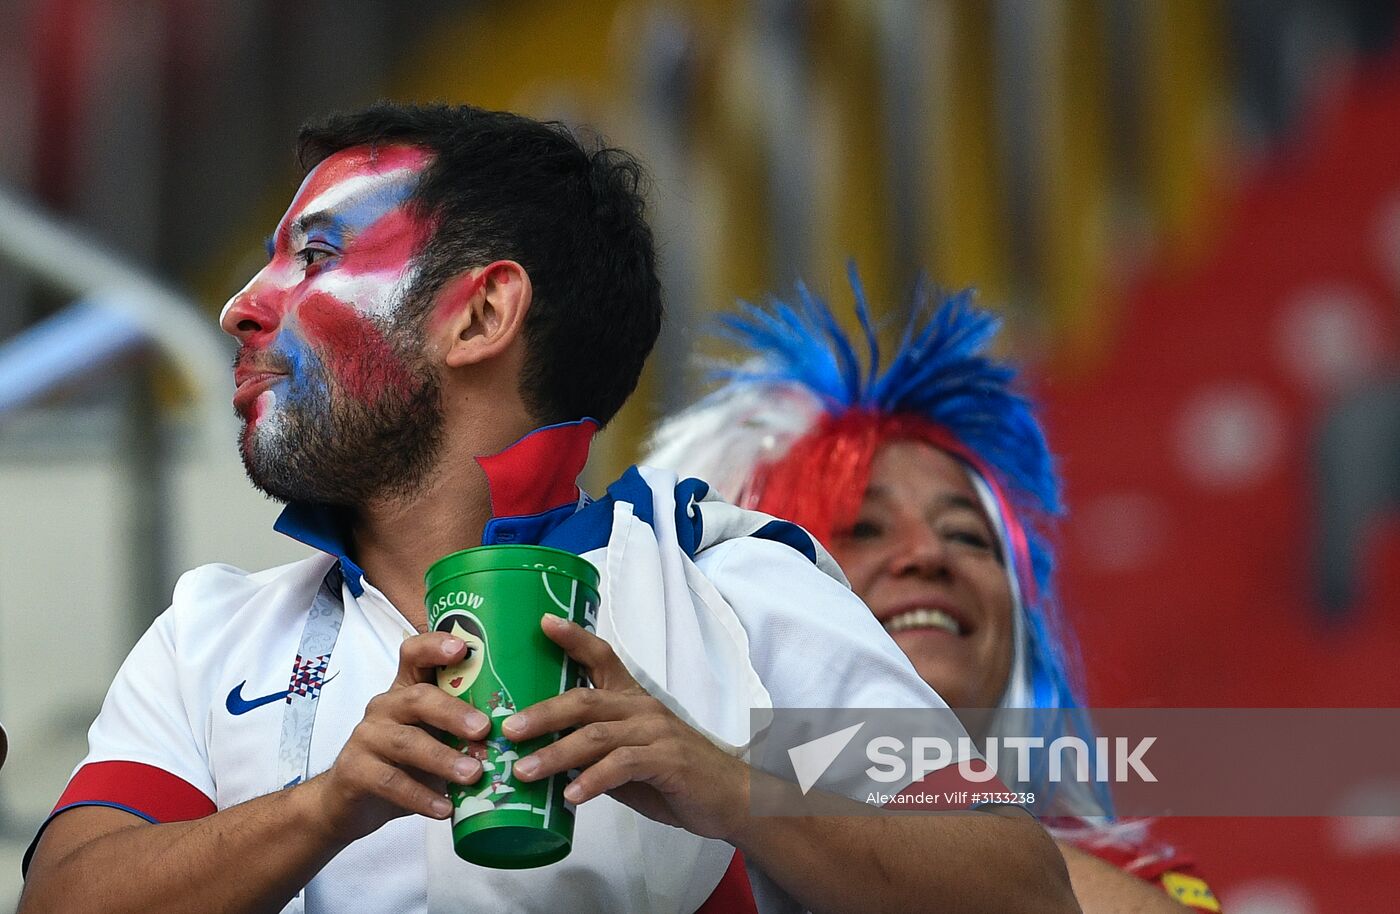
(923, 618)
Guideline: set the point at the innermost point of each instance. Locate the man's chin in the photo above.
(290, 475)
(348, 458)
(267, 485)
(270, 476)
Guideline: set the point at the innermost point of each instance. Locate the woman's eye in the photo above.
(865, 530)
(468, 655)
(970, 538)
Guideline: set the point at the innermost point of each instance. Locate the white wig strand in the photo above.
(726, 436)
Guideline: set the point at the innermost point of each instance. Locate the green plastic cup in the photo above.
(493, 597)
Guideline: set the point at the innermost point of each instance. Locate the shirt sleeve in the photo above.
(144, 756)
(812, 641)
(816, 645)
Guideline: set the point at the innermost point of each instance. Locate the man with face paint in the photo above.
(455, 301)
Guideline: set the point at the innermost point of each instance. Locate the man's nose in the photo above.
(249, 316)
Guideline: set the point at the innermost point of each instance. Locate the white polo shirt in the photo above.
(715, 610)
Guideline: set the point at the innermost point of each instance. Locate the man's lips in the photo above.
(251, 384)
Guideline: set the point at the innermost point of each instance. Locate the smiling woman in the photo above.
(922, 554)
(932, 485)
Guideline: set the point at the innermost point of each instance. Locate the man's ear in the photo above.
(491, 315)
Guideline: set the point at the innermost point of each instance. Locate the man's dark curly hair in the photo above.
(502, 186)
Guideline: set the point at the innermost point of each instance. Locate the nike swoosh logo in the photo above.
(237, 704)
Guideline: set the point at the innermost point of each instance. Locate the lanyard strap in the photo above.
(318, 637)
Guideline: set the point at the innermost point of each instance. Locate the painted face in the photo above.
(923, 556)
(331, 380)
(456, 679)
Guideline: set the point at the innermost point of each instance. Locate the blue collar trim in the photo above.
(322, 527)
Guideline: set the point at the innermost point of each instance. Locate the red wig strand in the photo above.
(820, 482)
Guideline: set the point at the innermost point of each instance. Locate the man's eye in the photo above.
(310, 256)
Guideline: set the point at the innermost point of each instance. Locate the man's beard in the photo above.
(325, 447)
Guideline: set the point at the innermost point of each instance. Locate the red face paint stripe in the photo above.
(389, 243)
(353, 349)
(350, 163)
(451, 297)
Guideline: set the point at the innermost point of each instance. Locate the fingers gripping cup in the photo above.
(493, 597)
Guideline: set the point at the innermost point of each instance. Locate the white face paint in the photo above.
(271, 427)
(351, 209)
(354, 191)
(366, 290)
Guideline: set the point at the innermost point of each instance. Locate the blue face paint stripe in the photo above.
(307, 373)
(359, 213)
(331, 232)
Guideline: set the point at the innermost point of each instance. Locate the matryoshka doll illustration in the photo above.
(475, 680)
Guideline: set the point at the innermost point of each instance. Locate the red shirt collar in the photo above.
(540, 471)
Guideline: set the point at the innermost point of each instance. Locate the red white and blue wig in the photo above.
(794, 428)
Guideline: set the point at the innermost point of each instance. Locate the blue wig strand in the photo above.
(872, 341)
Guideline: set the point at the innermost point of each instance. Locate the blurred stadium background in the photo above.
(1188, 210)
